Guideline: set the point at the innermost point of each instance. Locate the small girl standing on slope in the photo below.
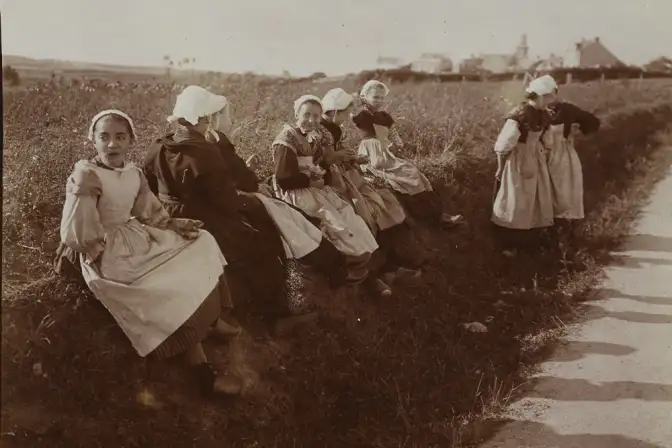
(523, 196)
(378, 137)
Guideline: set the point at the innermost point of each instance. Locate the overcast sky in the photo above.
(304, 36)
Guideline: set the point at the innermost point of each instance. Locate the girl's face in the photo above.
(342, 116)
(222, 121)
(112, 139)
(375, 97)
(546, 100)
(308, 116)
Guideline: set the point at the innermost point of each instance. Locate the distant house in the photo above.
(592, 53)
(550, 63)
(517, 61)
(388, 63)
(432, 63)
(661, 64)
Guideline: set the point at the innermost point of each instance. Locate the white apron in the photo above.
(299, 236)
(400, 174)
(564, 168)
(341, 225)
(524, 199)
(150, 280)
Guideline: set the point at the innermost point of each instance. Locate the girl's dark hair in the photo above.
(118, 119)
(531, 96)
(534, 96)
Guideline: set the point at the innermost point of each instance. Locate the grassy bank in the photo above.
(398, 374)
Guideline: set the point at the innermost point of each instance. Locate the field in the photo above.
(402, 373)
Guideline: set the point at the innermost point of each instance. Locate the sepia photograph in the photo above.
(366, 224)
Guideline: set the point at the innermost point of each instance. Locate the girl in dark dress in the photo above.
(192, 178)
(564, 165)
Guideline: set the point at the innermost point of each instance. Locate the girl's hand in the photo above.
(186, 228)
(347, 155)
(576, 129)
(265, 190)
(252, 162)
(362, 160)
(498, 175)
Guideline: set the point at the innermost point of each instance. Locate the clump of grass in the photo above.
(371, 374)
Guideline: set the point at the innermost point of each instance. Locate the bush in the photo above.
(10, 75)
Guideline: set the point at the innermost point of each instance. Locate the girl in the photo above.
(564, 166)
(160, 278)
(378, 207)
(198, 175)
(375, 126)
(302, 178)
(523, 199)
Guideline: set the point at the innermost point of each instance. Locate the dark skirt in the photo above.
(426, 206)
(402, 248)
(256, 268)
(326, 261)
(67, 265)
(196, 328)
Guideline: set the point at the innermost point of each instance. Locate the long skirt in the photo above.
(185, 337)
(426, 207)
(566, 173)
(256, 269)
(195, 329)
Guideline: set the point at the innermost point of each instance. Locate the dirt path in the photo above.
(611, 385)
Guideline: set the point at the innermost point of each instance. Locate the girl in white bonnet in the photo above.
(379, 207)
(303, 178)
(523, 197)
(378, 138)
(162, 279)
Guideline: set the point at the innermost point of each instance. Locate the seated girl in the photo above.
(379, 207)
(303, 179)
(197, 175)
(414, 189)
(161, 279)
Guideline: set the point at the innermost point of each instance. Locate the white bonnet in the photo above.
(542, 86)
(304, 99)
(337, 99)
(195, 102)
(116, 112)
(371, 85)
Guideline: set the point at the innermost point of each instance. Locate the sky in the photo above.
(337, 37)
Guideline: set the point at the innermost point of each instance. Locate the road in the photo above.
(610, 386)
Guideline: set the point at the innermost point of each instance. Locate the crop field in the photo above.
(396, 373)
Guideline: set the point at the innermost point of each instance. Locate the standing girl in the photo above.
(160, 278)
(523, 199)
(379, 136)
(564, 165)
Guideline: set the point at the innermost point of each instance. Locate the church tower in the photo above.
(521, 56)
(522, 50)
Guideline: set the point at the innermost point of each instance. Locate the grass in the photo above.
(397, 374)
